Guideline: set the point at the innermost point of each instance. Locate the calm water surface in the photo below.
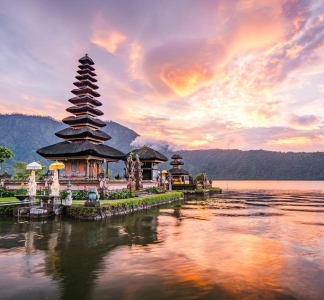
(243, 244)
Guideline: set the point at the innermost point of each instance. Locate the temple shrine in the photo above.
(149, 159)
(82, 150)
(178, 174)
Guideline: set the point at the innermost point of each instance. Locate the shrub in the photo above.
(4, 192)
(122, 194)
(21, 191)
(156, 190)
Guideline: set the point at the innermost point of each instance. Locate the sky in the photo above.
(190, 74)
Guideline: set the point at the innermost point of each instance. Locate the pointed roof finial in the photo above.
(86, 54)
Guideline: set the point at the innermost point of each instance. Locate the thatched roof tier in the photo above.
(82, 133)
(83, 139)
(84, 120)
(148, 154)
(84, 84)
(86, 77)
(85, 91)
(85, 100)
(86, 60)
(86, 66)
(176, 156)
(84, 109)
(178, 172)
(86, 72)
(176, 163)
(84, 149)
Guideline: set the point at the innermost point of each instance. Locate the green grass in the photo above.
(137, 200)
(8, 199)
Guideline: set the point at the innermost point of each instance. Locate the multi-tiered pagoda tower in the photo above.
(83, 151)
(176, 172)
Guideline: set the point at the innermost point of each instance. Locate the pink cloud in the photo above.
(103, 35)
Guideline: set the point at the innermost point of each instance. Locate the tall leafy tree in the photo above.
(5, 153)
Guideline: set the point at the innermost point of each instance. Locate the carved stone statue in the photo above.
(163, 180)
(68, 199)
(93, 197)
(130, 172)
(55, 187)
(93, 194)
(204, 180)
(170, 181)
(32, 186)
(138, 172)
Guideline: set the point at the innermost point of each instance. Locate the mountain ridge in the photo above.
(24, 134)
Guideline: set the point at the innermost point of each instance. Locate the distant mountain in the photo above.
(255, 164)
(25, 134)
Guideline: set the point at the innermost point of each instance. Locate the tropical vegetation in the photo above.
(155, 190)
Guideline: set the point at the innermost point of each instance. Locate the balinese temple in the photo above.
(82, 150)
(178, 174)
(150, 159)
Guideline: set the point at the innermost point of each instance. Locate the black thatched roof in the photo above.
(176, 156)
(86, 60)
(84, 109)
(86, 66)
(85, 91)
(179, 172)
(82, 133)
(147, 153)
(67, 149)
(176, 163)
(85, 119)
(85, 72)
(86, 83)
(86, 77)
(84, 100)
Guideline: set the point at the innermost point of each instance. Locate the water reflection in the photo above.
(238, 245)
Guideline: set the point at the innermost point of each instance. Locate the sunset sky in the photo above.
(193, 74)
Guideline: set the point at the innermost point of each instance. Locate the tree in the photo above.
(20, 170)
(21, 173)
(5, 153)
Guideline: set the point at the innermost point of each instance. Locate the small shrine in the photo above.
(178, 174)
(83, 151)
(149, 159)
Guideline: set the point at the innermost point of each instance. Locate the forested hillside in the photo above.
(255, 164)
(25, 134)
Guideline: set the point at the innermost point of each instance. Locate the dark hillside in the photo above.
(25, 134)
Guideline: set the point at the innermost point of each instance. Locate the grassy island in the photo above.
(110, 208)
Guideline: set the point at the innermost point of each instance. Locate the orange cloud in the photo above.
(184, 81)
(255, 24)
(290, 141)
(104, 36)
(182, 67)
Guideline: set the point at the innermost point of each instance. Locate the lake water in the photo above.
(270, 185)
(251, 242)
